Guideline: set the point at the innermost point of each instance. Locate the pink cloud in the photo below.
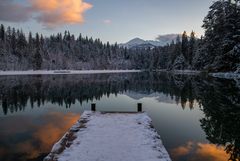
(107, 21)
(52, 13)
(60, 12)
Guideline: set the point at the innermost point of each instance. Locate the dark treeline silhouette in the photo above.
(17, 91)
(217, 51)
(65, 90)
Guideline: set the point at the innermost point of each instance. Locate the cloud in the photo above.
(41, 137)
(13, 12)
(199, 152)
(183, 150)
(52, 14)
(107, 21)
(60, 12)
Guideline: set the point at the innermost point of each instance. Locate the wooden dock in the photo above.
(103, 136)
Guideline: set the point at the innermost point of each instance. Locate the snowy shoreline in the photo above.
(227, 75)
(110, 137)
(186, 72)
(65, 72)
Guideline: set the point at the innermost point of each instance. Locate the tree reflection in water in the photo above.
(219, 99)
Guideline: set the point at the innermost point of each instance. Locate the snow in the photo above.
(112, 137)
(227, 75)
(186, 72)
(52, 72)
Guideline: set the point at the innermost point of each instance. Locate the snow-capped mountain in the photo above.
(161, 40)
(158, 96)
(137, 43)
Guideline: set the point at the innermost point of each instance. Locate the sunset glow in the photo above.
(200, 151)
(59, 12)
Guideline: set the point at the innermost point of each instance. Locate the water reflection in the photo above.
(218, 99)
(199, 152)
(22, 139)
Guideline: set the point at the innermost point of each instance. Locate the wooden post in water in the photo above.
(139, 107)
(93, 106)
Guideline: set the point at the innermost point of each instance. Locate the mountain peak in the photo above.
(136, 41)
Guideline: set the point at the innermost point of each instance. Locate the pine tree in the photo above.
(2, 33)
(185, 45)
(8, 34)
(41, 41)
(37, 41)
(177, 49)
(13, 40)
(37, 58)
(221, 35)
(192, 43)
(30, 39)
(21, 41)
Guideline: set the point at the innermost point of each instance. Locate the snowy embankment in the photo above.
(110, 137)
(180, 72)
(186, 72)
(53, 72)
(226, 75)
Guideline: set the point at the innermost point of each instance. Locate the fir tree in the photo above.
(185, 45)
(192, 43)
(221, 35)
(37, 58)
(2, 33)
(13, 40)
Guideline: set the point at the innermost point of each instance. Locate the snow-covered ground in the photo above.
(226, 75)
(186, 72)
(182, 72)
(111, 137)
(51, 72)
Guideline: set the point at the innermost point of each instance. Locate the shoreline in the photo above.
(64, 72)
(225, 75)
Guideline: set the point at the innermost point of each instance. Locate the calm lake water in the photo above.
(198, 117)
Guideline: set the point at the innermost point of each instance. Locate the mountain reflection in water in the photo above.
(29, 135)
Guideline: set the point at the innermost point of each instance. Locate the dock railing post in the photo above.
(139, 107)
(93, 106)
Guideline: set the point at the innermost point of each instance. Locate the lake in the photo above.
(197, 116)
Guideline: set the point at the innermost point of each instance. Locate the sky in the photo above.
(110, 20)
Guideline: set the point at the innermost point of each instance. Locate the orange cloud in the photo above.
(50, 13)
(183, 150)
(212, 151)
(42, 136)
(59, 12)
(199, 152)
(54, 130)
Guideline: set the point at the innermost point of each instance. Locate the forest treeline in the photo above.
(217, 51)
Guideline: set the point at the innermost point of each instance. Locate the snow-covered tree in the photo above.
(185, 45)
(192, 43)
(222, 35)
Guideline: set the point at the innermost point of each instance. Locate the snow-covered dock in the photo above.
(110, 137)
